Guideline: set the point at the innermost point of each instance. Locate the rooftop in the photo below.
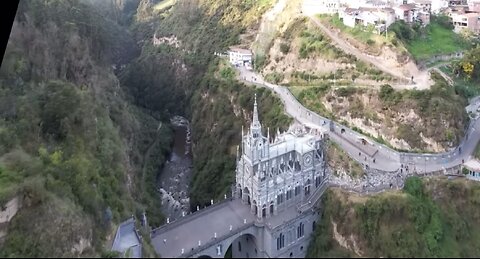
(242, 51)
(469, 15)
(369, 9)
(473, 164)
(406, 7)
(287, 142)
(423, 1)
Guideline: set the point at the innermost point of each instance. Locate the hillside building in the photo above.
(240, 57)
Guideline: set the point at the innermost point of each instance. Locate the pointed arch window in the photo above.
(280, 241)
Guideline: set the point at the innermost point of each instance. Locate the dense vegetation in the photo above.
(429, 218)
(71, 146)
(201, 87)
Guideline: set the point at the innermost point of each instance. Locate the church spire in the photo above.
(268, 134)
(255, 122)
(256, 127)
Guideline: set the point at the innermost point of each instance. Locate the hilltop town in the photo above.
(464, 14)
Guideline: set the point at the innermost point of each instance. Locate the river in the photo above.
(174, 179)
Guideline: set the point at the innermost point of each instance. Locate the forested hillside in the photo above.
(84, 94)
(431, 217)
(186, 73)
(70, 144)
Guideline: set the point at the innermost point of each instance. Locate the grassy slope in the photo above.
(367, 39)
(70, 143)
(435, 39)
(439, 40)
(306, 41)
(430, 218)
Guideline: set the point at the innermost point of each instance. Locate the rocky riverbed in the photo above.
(174, 179)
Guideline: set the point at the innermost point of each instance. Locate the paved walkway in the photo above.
(186, 233)
(127, 239)
(386, 159)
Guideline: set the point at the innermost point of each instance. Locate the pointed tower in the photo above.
(255, 145)
(256, 127)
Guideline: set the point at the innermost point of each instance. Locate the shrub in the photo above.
(284, 48)
(345, 91)
(414, 186)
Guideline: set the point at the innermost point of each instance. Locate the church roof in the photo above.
(473, 164)
(289, 142)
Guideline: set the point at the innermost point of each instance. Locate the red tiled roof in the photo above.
(406, 7)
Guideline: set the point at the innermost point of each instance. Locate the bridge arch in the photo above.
(244, 246)
(204, 256)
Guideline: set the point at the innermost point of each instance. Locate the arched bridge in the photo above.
(211, 231)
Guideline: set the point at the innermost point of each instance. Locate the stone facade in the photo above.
(272, 176)
(275, 178)
(272, 213)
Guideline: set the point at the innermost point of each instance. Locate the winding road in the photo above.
(365, 150)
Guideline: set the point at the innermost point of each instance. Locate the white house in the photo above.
(438, 5)
(424, 5)
(405, 12)
(239, 56)
(473, 167)
(368, 16)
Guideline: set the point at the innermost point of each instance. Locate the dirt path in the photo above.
(421, 79)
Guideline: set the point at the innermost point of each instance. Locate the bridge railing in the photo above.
(403, 156)
(314, 118)
(312, 200)
(214, 241)
(190, 216)
(120, 226)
